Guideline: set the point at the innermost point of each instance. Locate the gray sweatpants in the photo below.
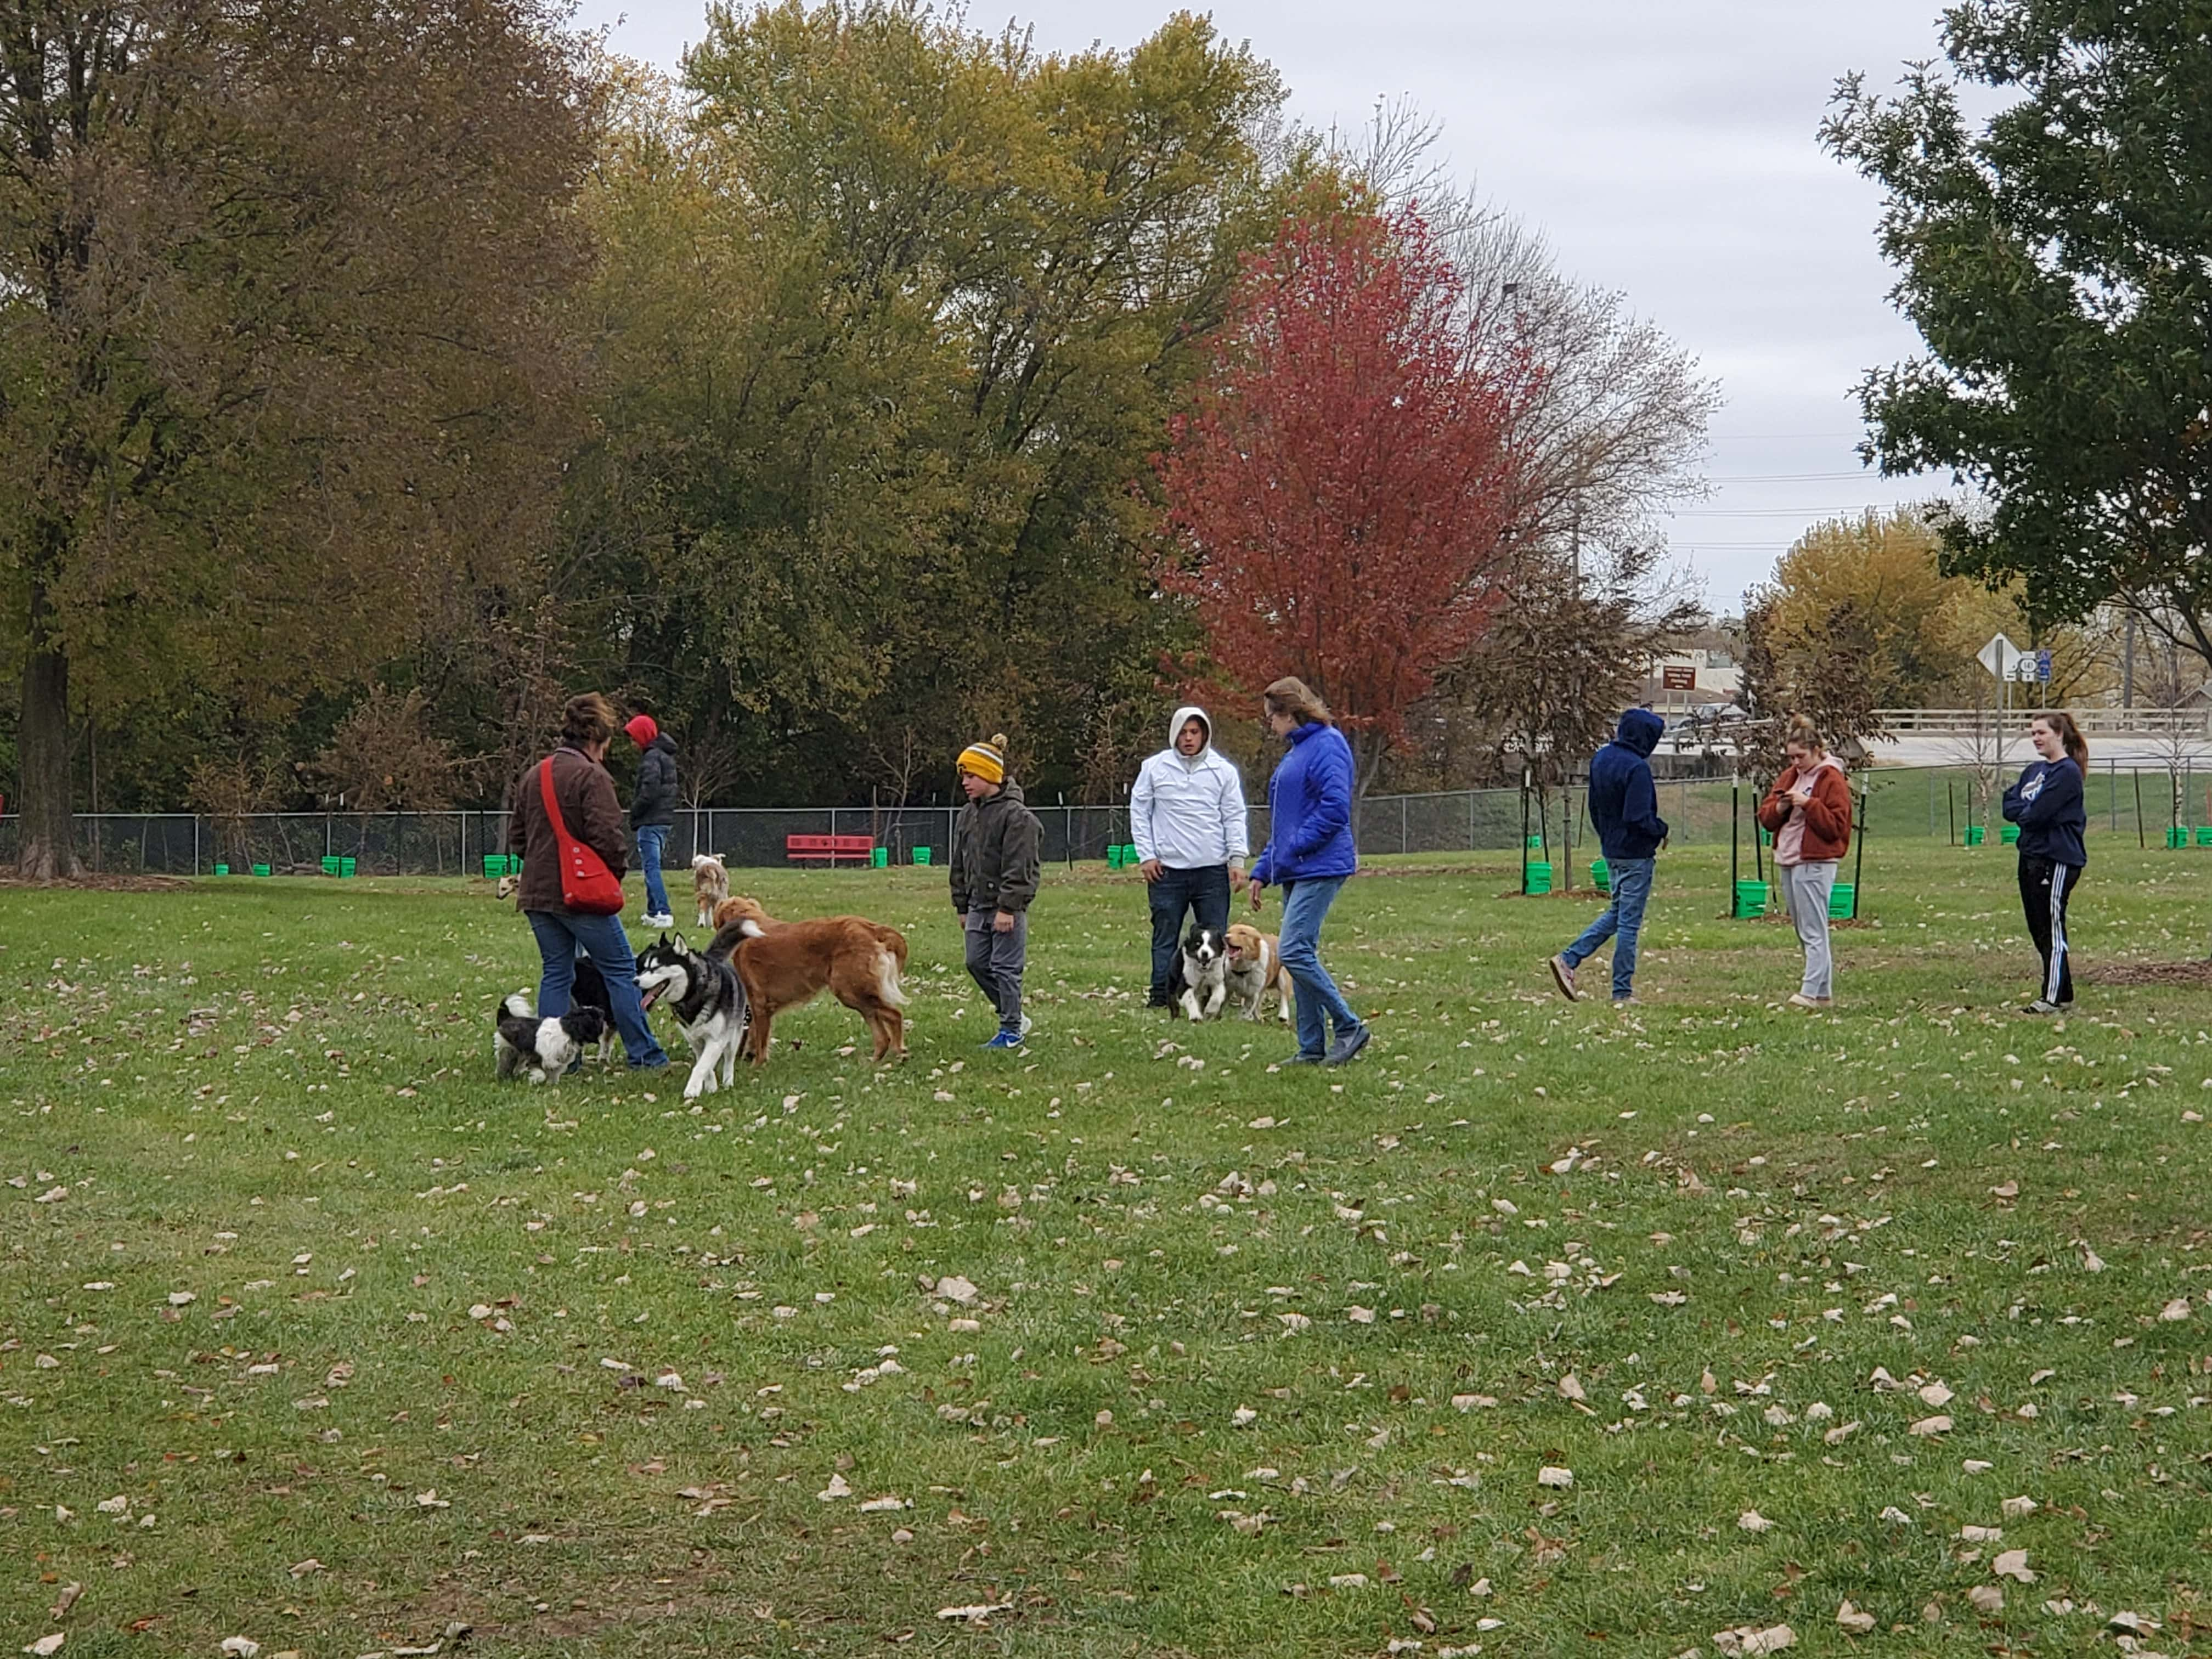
(995, 962)
(1805, 892)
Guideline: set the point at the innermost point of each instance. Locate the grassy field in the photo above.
(311, 1334)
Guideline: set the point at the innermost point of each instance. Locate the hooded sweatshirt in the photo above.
(655, 799)
(2047, 805)
(1623, 803)
(1188, 812)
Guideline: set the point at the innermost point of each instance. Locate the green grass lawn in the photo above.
(313, 1334)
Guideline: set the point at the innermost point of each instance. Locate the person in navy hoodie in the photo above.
(1624, 804)
(2047, 805)
(1309, 854)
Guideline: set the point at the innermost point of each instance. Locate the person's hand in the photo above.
(1803, 794)
(1003, 922)
(1151, 870)
(1235, 875)
(1256, 887)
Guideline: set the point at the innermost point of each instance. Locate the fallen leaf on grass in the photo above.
(2012, 1563)
(47, 1645)
(978, 1614)
(244, 1647)
(65, 1601)
(1550, 1475)
(2019, 1509)
(1753, 1521)
(430, 1500)
(1986, 1598)
(1930, 1425)
(1748, 1639)
(1857, 1620)
(2175, 1311)
(1570, 1387)
(301, 1569)
(835, 1490)
(955, 1289)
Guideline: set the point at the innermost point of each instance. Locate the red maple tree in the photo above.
(1339, 492)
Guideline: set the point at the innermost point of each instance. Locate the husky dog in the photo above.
(1198, 983)
(710, 881)
(1256, 962)
(709, 1006)
(542, 1049)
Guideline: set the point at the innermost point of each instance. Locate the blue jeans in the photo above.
(1305, 901)
(1203, 892)
(559, 933)
(1622, 921)
(651, 839)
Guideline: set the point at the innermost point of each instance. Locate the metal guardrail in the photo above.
(2093, 722)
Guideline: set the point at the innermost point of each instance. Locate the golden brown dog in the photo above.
(786, 964)
(710, 884)
(1256, 962)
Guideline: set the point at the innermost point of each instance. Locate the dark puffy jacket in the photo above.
(656, 800)
(586, 795)
(994, 854)
(1624, 802)
(2047, 805)
(1309, 809)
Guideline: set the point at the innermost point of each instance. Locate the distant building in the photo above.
(1681, 679)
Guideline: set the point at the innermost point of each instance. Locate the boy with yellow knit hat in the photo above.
(995, 876)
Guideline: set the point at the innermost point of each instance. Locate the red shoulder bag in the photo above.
(587, 884)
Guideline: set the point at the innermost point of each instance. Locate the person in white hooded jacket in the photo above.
(1187, 819)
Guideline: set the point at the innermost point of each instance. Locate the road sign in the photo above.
(2024, 668)
(1678, 677)
(2042, 667)
(1998, 656)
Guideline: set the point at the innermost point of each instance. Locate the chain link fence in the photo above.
(1906, 803)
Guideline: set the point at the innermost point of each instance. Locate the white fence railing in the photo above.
(2094, 722)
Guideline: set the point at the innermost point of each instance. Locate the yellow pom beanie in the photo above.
(988, 761)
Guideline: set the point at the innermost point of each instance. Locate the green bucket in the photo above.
(2177, 836)
(1536, 878)
(1750, 898)
(222, 870)
(330, 865)
(921, 855)
(1976, 834)
(1536, 844)
(2204, 834)
(1600, 877)
(1840, 897)
(1114, 856)
(260, 869)
(2009, 835)
(879, 858)
(346, 867)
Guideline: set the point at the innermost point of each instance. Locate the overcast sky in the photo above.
(1665, 147)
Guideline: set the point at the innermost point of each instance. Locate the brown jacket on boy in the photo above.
(1828, 814)
(587, 798)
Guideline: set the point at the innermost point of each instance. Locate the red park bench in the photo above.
(829, 849)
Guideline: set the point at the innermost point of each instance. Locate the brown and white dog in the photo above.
(786, 964)
(710, 882)
(1256, 962)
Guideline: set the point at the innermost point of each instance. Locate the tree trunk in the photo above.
(48, 850)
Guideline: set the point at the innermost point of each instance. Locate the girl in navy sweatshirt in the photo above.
(2047, 805)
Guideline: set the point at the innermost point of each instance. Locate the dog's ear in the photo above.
(679, 943)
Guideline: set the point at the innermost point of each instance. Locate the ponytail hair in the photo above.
(2069, 733)
(1801, 731)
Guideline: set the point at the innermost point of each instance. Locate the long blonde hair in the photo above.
(1293, 696)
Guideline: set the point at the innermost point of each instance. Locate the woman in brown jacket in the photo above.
(586, 796)
(1810, 812)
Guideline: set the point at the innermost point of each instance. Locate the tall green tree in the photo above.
(892, 315)
(281, 286)
(2053, 257)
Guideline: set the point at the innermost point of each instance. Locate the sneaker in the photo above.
(1025, 1025)
(657, 919)
(1005, 1040)
(2041, 1006)
(1562, 974)
(1305, 1059)
(1628, 1002)
(1342, 1051)
(1799, 999)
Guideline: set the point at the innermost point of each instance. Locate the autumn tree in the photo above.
(2051, 254)
(1339, 490)
(892, 316)
(280, 341)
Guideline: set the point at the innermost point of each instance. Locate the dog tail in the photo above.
(887, 977)
(514, 1006)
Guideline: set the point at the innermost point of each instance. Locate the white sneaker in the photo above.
(1025, 1024)
(661, 921)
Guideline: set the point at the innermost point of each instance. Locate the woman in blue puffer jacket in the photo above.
(1310, 853)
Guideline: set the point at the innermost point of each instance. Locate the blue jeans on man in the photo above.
(1319, 1005)
(1622, 921)
(1202, 892)
(558, 933)
(651, 841)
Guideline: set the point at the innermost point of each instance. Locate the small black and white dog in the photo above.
(708, 1003)
(1199, 982)
(542, 1050)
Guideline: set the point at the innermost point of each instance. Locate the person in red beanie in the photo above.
(653, 811)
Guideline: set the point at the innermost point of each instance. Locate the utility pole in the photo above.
(2127, 666)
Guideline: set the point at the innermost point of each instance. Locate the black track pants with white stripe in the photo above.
(2045, 889)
